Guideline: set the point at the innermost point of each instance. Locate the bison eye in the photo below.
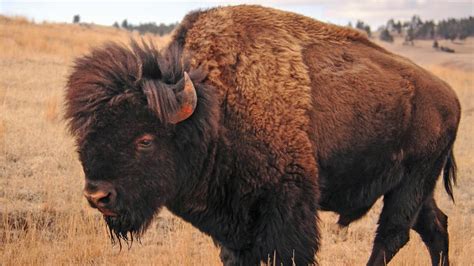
(144, 142)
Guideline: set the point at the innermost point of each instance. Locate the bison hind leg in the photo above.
(402, 206)
(432, 226)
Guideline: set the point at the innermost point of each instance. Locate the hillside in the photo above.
(423, 53)
(60, 42)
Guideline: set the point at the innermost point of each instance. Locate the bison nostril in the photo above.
(105, 200)
(100, 199)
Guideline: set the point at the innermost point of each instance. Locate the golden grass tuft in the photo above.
(2, 136)
(45, 220)
(51, 112)
(18, 20)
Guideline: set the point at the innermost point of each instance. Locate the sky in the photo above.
(106, 12)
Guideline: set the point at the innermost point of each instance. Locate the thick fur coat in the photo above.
(293, 115)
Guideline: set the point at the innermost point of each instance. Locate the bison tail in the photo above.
(449, 174)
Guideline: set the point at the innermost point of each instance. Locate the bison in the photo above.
(253, 119)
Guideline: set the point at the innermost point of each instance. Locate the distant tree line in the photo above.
(456, 28)
(363, 27)
(386, 36)
(413, 29)
(417, 29)
(76, 19)
(150, 27)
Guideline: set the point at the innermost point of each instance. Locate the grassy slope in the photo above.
(44, 219)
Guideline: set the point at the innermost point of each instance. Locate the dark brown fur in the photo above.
(293, 115)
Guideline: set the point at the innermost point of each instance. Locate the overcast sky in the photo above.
(106, 12)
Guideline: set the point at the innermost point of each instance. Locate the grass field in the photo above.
(45, 220)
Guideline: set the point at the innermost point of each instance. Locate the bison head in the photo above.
(141, 124)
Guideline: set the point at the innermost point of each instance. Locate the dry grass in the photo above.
(61, 42)
(44, 220)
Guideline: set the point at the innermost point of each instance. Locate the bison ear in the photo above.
(186, 100)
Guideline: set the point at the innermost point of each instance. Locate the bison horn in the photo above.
(187, 101)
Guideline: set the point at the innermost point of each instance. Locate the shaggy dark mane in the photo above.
(114, 74)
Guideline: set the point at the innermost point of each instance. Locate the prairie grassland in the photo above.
(44, 219)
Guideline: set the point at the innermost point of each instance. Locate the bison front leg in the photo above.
(279, 236)
(289, 244)
(246, 257)
(235, 258)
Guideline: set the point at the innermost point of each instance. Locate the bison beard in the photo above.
(129, 224)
